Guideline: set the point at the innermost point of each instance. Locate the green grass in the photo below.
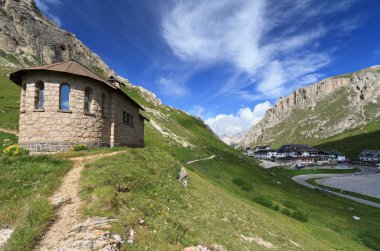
(353, 142)
(9, 101)
(227, 197)
(141, 184)
(25, 185)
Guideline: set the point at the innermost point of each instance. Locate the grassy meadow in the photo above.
(26, 182)
(228, 197)
(230, 200)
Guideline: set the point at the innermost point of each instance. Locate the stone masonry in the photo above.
(51, 129)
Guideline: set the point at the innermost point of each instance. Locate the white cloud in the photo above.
(44, 6)
(197, 110)
(275, 42)
(230, 125)
(170, 88)
(217, 30)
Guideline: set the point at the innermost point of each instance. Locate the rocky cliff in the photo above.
(26, 34)
(320, 110)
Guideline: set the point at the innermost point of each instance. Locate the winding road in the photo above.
(347, 181)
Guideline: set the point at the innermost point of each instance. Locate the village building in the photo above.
(262, 148)
(340, 157)
(370, 155)
(248, 151)
(299, 154)
(66, 104)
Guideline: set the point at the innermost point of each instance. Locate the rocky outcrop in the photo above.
(182, 177)
(322, 106)
(24, 30)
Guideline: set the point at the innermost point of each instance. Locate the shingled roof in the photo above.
(71, 67)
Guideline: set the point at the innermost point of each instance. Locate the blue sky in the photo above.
(226, 61)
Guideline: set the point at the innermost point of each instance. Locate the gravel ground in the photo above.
(268, 164)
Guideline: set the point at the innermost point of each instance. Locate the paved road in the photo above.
(365, 171)
(364, 184)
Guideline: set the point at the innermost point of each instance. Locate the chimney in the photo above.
(115, 82)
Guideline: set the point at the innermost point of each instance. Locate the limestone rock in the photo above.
(213, 247)
(182, 177)
(328, 107)
(92, 234)
(5, 234)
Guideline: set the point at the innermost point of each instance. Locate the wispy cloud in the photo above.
(197, 110)
(242, 121)
(170, 88)
(45, 5)
(267, 44)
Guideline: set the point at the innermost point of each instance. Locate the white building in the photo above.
(370, 155)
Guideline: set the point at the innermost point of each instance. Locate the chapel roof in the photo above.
(71, 67)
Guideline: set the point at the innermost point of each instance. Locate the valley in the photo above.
(185, 189)
(140, 184)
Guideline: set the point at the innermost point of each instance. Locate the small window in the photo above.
(132, 123)
(87, 99)
(64, 97)
(103, 104)
(124, 118)
(39, 96)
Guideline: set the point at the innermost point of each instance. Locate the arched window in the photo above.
(39, 100)
(87, 99)
(64, 97)
(103, 104)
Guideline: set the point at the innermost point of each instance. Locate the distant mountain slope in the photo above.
(316, 112)
(353, 142)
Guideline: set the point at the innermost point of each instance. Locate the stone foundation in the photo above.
(58, 146)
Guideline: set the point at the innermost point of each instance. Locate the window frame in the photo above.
(87, 100)
(61, 108)
(103, 104)
(39, 96)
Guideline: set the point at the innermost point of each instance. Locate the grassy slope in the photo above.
(213, 209)
(142, 184)
(25, 185)
(9, 101)
(352, 142)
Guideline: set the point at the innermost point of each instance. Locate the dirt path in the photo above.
(9, 131)
(67, 200)
(211, 157)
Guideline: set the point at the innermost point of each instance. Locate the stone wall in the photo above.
(51, 129)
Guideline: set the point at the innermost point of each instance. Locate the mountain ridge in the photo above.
(320, 110)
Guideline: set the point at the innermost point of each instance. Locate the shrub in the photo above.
(238, 181)
(78, 148)
(263, 201)
(296, 214)
(247, 187)
(290, 205)
(276, 207)
(15, 150)
(300, 216)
